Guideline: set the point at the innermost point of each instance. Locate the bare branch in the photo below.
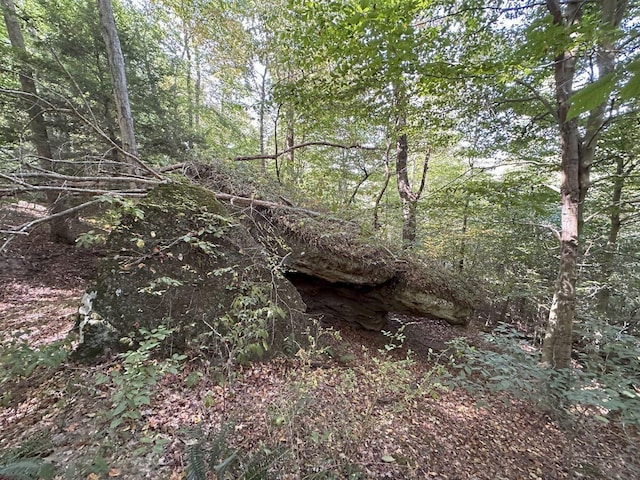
(536, 94)
(275, 156)
(72, 178)
(25, 227)
(249, 202)
(387, 177)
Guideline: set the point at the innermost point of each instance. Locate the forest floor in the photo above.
(368, 415)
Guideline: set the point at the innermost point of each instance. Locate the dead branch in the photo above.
(275, 156)
(73, 178)
(252, 202)
(92, 123)
(25, 227)
(387, 177)
(249, 202)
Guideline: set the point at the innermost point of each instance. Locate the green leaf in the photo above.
(388, 459)
(632, 87)
(119, 409)
(600, 418)
(591, 96)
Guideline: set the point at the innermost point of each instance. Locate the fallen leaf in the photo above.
(114, 472)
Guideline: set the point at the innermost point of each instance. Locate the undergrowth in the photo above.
(602, 385)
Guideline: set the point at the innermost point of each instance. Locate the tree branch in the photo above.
(25, 227)
(536, 94)
(275, 156)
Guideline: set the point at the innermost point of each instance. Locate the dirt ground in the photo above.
(365, 416)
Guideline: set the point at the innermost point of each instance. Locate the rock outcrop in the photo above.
(211, 271)
(341, 275)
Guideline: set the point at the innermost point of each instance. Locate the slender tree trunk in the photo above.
(197, 95)
(262, 112)
(116, 66)
(463, 238)
(387, 177)
(187, 52)
(556, 349)
(577, 157)
(408, 196)
(612, 240)
(404, 189)
(290, 139)
(59, 226)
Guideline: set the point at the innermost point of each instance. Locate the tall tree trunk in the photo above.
(463, 237)
(59, 226)
(404, 188)
(187, 52)
(197, 88)
(387, 177)
(556, 349)
(121, 92)
(408, 196)
(577, 157)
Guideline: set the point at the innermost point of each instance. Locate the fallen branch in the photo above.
(25, 227)
(249, 202)
(73, 178)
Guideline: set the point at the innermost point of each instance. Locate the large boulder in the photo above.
(183, 261)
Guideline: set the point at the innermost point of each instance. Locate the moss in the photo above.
(177, 197)
(182, 262)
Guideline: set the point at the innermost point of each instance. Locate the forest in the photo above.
(320, 239)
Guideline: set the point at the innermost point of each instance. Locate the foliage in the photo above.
(211, 453)
(242, 334)
(24, 461)
(27, 469)
(137, 374)
(19, 360)
(603, 384)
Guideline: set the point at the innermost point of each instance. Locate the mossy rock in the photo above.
(181, 260)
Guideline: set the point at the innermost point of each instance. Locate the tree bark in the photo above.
(60, 231)
(118, 76)
(404, 190)
(577, 155)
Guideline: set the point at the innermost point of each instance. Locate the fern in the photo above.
(258, 464)
(196, 468)
(210, 453)
(27, 469)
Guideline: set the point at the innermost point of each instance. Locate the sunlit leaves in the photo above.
(591, 96)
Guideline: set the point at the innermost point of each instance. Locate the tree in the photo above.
(375, 60)
(35, 112)
(118, 76)
(577, 154)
